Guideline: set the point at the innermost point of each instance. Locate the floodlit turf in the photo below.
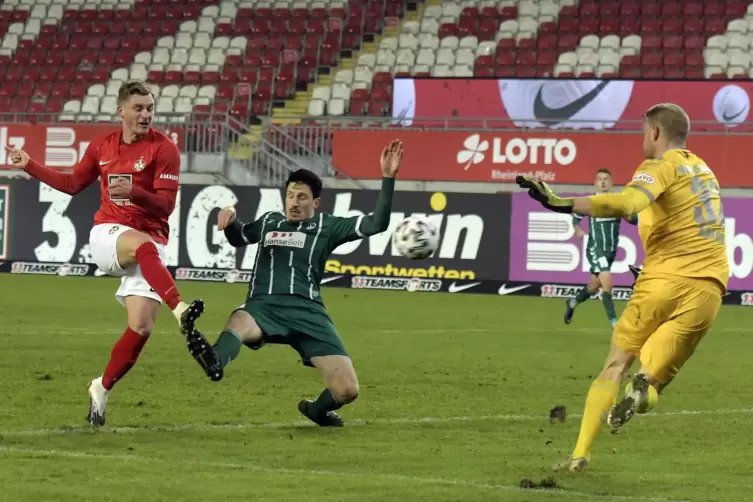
(455, 396)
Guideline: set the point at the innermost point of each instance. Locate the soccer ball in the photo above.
(416, 237)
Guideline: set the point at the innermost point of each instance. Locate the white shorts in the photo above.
(103, 240)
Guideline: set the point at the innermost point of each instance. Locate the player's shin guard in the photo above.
(581, 297)
(227, 347)
(123, 357)
(324, 403)
(606, 299)
(601, 397)
(156, 274)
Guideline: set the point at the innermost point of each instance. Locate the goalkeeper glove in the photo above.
(540, 191)
(636, 272)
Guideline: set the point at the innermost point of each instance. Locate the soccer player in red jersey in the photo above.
(139, 170)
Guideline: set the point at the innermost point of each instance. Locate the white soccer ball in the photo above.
(416, 237)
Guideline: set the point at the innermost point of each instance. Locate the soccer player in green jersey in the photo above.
(603, 240)
(284, 304)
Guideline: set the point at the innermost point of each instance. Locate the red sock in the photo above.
(124, 355)
(157, 275)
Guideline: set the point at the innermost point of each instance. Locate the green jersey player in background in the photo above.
(603, 240)
(284, 304)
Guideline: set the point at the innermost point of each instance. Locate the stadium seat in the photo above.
(252, 56)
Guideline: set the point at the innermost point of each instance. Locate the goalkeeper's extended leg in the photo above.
(601, 397)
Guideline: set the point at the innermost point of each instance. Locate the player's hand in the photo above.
(579, 232)
(540, 191)
(636, 272)
(225, 218)
(392, 157)
(120, 189)
(18, 158)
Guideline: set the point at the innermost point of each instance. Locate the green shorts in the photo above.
(299, 322)
(600, 260)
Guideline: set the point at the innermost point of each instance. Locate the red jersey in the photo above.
(151, 165)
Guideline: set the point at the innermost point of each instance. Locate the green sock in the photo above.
(581, 297)
(606, 299)
(324, 403)
(228, 347)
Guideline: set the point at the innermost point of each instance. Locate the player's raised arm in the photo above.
(161, 202)
(650, 180)
(237, 233)
(359, 227)
(84, 173)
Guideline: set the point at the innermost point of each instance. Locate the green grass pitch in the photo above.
(455, 397)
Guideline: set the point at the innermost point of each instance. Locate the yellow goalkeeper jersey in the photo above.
(682, 230)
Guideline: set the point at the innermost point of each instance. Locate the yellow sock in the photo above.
(601, 397)
(653, 398)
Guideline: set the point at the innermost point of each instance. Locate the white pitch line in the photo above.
(355, 422)
(415, 480)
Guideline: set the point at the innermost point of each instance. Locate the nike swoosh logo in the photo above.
(329, 279)
(504, 290)
(104, 163)
(732, 117)
(554, 116)
(454, 288)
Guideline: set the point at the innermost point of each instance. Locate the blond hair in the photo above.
(672, 119)
(133, 88)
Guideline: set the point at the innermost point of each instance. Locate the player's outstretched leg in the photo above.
(136, 247)
(639, 397)
(190, 315)
(204, 354)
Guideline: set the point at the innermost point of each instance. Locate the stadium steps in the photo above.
(245, 150)
(298, 106)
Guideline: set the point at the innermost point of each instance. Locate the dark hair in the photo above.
(604, 171)
(308, 178)
(133, 88)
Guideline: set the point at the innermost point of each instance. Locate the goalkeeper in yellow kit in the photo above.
(679, 292)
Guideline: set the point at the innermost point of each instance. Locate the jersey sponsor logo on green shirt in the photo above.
(285, 239)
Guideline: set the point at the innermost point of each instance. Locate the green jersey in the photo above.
(291, 256)
(603, 233)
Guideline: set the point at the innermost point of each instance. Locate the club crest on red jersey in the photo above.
(140, 165)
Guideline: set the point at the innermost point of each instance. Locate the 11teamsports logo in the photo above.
(396, 284)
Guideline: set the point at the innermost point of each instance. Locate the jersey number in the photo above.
(603, 263)
(706, 214)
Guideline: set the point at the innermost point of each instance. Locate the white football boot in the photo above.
(97, 402)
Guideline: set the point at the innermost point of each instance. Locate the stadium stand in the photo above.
(327, 57)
